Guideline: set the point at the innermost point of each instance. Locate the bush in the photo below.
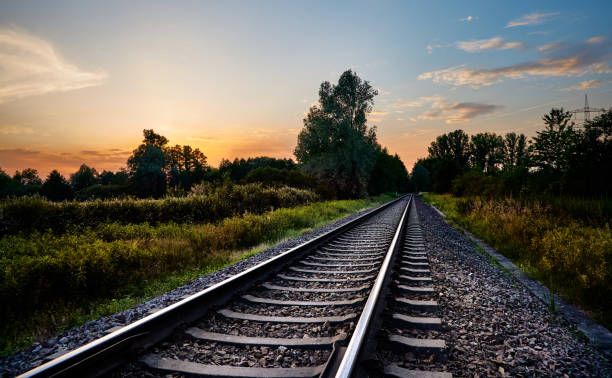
(29, 214)
(103, 192)
(570, 256)
(42, 270)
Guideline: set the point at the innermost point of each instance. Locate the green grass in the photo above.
(53, 282)
(568, 253)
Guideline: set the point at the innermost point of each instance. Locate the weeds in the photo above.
(558, 247)
(54, 281)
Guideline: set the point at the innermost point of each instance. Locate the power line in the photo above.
(587, 110)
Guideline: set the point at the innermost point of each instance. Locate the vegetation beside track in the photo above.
(53, 281)
(205, 204)
(566, 251)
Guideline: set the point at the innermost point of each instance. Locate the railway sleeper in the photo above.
(336, 265)
(393, 370)
(154, 361)
(416, 289)
(435, 348)
(277, 302)
(412, 270)
(315, 290)
(286, 319)
(333, 271)
(305, 342)
(418, 322)
(418, 304)
(414, 279)
(332, 280)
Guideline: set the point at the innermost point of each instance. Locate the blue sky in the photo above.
(80, 80)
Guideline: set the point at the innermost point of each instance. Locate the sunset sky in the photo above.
(80, 80)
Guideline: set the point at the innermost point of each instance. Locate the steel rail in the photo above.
(107, 352)
(352, 352)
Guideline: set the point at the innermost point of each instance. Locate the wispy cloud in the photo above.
(468, 19)
(595, 40)
(588, 84)
(458, 112)
(551, 46)
(30, 66)
(379, 113)
(495, 43)
(15, 130)
(407, 104)
(570, 61)
(531, 19)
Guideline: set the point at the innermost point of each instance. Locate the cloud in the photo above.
(551, 46)
(574, 60)
(430, 48)
(30, 66)
(595, 40)
(583, 85)
(530, 19)
(15, 130)
(379, 113)
(458, 112)
(468, 19)
(407, 104)
(495, 43)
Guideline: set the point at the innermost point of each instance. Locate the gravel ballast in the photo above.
(495, 326)
(45, 351)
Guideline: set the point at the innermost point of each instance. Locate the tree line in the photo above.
(560, 159)
(337, 153)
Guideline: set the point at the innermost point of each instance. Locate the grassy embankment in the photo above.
(566, 244)
(56, 279)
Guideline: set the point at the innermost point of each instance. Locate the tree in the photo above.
(515, 152)
(389, 174)
(147, 165)
(186, 166)
(121, 177)
(448, 157)
(84, 177)
(552, 147)
(420, 178)
(486, 150)
(29, 177)
(336, 145)
(589, 171)
(5, 183)
(452, 146)
(56, 187)
(240, 168)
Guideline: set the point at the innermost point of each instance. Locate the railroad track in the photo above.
(352, 302)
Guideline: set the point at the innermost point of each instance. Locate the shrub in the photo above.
(42, 269)
(572, 257)
(29, 214)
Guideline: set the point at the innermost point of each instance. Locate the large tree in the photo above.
(84, 177)
(486, 151)
(453, 146)
(552, 147)
(186, 166)
(420, 177)
(336, 145)
(516, 153)
(56, 187)
(147, 165)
